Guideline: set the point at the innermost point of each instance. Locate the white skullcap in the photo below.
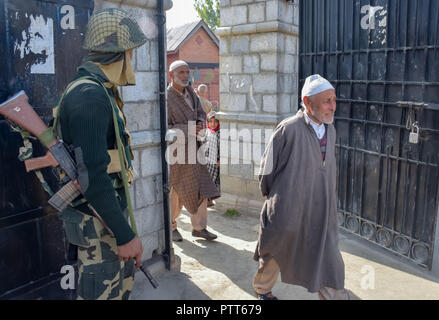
(177, 64)
(314, 85)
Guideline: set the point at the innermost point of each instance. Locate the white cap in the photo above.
(314, 85)
(177, 64)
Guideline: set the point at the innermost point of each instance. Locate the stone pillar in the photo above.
(258, 89)
(143, 119)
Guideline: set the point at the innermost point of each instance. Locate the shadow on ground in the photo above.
(359, 247)
(349, 243)
(227, 225)
(173, 286)
(224, 269)
(218, 256)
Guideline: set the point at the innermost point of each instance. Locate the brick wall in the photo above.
(171, 58)
(200, 49)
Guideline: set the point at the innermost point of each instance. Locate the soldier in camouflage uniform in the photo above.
(90, 120)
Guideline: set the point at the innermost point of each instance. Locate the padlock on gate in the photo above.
(414, 135)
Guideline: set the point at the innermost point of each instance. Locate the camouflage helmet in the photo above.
(113, 30)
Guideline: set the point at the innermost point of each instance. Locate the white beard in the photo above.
(321, 118)
(179, 82)
(329, 122)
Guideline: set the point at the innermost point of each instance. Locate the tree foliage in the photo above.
(209, 11)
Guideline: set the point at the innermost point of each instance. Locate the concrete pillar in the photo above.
(258, 89)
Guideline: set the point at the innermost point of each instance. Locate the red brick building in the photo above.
(196, 44)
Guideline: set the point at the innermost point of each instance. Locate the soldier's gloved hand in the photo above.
(131, 250)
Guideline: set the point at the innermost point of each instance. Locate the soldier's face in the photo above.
(323, 105)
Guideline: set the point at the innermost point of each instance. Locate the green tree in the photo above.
(209, 11)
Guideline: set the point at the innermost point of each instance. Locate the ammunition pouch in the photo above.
(96, 276)
(78, 226)
(114, 165)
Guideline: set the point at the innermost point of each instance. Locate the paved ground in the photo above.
(224, 269)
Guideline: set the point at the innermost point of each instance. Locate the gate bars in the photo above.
(411, 239)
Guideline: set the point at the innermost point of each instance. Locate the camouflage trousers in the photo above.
(101, 275)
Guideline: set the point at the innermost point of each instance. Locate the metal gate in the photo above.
(383, 58)
(40, 48)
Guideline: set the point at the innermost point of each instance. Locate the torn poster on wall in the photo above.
(36, 45)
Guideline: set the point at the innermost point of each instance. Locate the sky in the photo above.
(182, 12)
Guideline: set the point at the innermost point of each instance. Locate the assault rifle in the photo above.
(18, 111)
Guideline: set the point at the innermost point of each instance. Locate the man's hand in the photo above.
(77, 186)
(199, 127)
(131, 250)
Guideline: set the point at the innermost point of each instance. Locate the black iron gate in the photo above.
(383, 58)
(40, 48)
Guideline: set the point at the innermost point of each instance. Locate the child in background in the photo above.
(212, 150)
